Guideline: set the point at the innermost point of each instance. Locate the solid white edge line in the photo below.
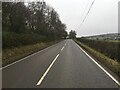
(23, 58)
(48, 69)
(62, 48)
(26, 57)
(100, 66)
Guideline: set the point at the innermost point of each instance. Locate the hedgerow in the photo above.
(110, 49)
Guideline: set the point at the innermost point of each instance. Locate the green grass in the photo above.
(14, 54)
(113, 65)
(114, 41)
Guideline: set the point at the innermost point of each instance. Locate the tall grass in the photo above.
(13, 54)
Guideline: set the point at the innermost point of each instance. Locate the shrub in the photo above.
(11, 39)
(110, 49)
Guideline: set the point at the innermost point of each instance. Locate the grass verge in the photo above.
(14, 54)
(113, 65)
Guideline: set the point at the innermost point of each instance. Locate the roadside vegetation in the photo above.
(72, 34)
(29, 27)
(108, 48)
(104, 51)
(13, 54)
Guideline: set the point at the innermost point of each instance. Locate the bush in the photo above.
(110, 49)
(11, 39)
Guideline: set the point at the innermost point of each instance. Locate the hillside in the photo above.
(112, 36)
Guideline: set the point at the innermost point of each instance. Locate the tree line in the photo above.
(27, 23)
(72, 34)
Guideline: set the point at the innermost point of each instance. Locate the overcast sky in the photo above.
(103, 16)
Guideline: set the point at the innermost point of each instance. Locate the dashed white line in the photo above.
(117, 82)
(42, 78)
(62, 48)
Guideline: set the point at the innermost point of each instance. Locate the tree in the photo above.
(31, 23)
(14, 16)
(72, 34)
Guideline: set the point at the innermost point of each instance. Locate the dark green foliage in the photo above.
(72, 34)
(11, 39)
(36, 22)
(110, 49)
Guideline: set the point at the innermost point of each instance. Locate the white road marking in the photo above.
(62, 48)
(26, 57)
(42, 78)
(100, 67)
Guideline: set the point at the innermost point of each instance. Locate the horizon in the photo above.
(72, 13)
(99, 34)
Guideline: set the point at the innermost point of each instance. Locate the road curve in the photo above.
(62, 65)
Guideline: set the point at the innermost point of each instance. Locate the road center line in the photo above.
(62, 48)
(117, 82)
(28, 56)
(46, 72)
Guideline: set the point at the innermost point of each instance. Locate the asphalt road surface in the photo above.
(63, 65)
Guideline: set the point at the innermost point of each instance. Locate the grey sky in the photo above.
(103, 17)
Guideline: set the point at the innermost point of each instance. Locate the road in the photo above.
(63, 65)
